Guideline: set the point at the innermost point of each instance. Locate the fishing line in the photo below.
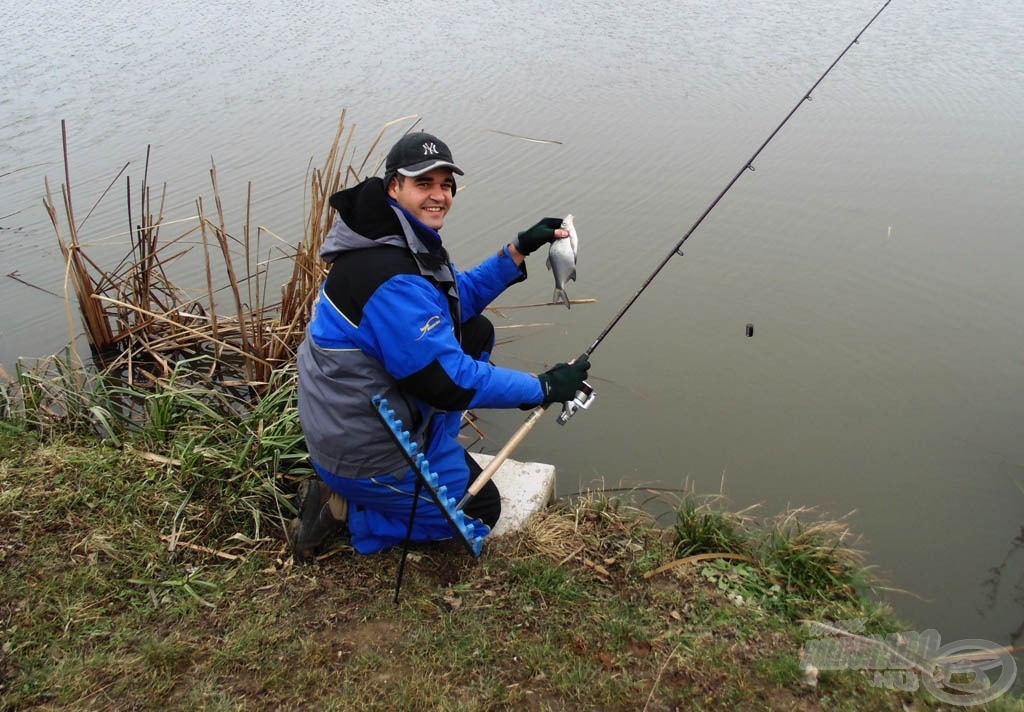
(586, 395)
(749, 165)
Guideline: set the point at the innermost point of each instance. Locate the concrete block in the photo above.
(525, 487)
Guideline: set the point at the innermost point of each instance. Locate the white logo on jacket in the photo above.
(431, 324)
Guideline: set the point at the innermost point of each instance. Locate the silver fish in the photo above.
(562, 261)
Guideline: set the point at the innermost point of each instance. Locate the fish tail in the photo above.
(560, 296)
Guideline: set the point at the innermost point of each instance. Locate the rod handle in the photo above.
(513, 442)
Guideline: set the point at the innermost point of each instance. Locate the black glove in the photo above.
(537, 236)
(561, 382)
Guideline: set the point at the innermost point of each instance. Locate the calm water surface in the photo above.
(877, 247)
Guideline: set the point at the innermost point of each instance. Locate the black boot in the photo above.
(315, 522)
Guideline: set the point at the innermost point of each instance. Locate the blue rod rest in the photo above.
(470, 531)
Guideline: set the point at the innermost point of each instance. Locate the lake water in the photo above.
(876, 248)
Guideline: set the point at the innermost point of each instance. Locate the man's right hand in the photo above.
(561, 382)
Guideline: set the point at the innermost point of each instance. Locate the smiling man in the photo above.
(395, 318)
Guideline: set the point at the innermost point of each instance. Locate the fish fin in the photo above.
(547, 262)
(560, 296)
(572, 275)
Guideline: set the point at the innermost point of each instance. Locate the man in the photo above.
(395, 318)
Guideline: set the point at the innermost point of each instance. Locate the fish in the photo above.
(562, 261)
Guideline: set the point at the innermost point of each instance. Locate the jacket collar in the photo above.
(430, 237)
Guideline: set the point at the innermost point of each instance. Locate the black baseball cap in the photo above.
(417, 153)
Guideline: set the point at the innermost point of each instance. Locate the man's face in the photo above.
(428, 196)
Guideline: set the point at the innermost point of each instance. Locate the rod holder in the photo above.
(470, 531)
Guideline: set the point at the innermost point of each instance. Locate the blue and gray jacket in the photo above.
(387, 320)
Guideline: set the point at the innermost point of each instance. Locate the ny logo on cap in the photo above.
(429, 149)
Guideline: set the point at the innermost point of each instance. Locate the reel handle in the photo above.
(583, 398)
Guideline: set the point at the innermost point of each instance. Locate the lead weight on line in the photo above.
(750, 330)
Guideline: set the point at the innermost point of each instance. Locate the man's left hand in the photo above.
(539, 235)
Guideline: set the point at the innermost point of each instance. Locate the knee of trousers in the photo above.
(478, 336)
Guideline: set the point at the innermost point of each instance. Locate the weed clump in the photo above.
(798, 552)
(704, 526)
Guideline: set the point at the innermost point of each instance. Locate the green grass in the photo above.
(144, 569)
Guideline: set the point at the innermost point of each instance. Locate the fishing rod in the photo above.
(676, 250)
(584, 398)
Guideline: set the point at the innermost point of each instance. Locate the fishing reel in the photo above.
(583, 398)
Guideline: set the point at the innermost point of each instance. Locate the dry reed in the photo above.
(140, 322)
